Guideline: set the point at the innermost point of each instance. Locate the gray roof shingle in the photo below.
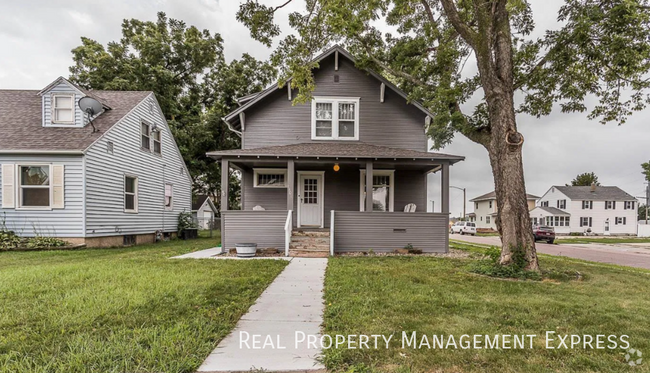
(335, 149)
(21, 126)
(601, 193)
(553, 210)
(493, 195)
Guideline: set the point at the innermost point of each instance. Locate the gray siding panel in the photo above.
(66, 222)
(265, 228)
(79, 120)
(393, 123)
(341, 189)
(385, 232)
(105, 214)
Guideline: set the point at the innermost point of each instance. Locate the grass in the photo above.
(388, 295)
(602, 240)
(122, 309)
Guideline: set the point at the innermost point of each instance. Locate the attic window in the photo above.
(145, 131)
(110, 147)
(63, 109)
(335, 118)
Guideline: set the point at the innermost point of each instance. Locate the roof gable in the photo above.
(63, 80)
(492, 196)
(246, 102)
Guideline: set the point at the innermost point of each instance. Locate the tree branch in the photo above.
(281, 6)
(461, 27)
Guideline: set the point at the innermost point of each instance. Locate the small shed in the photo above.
(204, 212)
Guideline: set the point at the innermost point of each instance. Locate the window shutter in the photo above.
(590, 222)
(581, 222)
(8, 186)
(57, 187)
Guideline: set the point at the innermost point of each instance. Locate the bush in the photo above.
(185, 221)
(8, 240)
(491, 266)
(41, 242)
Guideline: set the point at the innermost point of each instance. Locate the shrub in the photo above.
(41, 242)
(8, 240)
(185, 221)
(517, 269)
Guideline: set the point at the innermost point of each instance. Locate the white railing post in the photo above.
(288, 227)
(332, 233)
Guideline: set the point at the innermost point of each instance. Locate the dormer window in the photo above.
(63, 108)
(335, 118)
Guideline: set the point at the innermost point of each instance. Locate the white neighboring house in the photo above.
(605, 210)
(114, 181)
(204, 211)
(485, 210)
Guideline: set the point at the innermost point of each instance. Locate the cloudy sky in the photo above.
(36, 38)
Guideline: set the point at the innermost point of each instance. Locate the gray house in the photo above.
(112, 181)
(338, 174)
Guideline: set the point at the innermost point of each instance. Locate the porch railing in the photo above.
(265, 228)
(288, 228)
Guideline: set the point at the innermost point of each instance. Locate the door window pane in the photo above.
(310, 192)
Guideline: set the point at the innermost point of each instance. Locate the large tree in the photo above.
(600, 48)
(187, 71)
(585, 179)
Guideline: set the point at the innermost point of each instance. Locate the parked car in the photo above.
(463, 227)
(544, 233)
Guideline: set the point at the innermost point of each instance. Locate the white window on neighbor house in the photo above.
(383, 190)
(110, 147)
(610, 205)
(63, 108)
(269, 177)
(475, 205)
(587, 205)
(145, 132)
(585, 222)
(487, 219)
(169, 196)
(157, 144)
(629, 205)
(489, 204)
(621, 221)
(130, 193)
(544, 204)
(335, 118)
(34, 186)
(561, 204)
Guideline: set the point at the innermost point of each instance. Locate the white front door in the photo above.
(310, 200)
(607, 227)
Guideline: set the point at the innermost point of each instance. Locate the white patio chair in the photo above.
(410, 207)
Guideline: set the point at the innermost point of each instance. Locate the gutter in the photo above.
(24, 151)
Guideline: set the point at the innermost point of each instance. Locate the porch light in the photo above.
(336, 167)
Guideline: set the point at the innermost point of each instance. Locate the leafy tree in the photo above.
(186, 69)
(600, 48)
(642, 211)
(585, 179)
(646, 170)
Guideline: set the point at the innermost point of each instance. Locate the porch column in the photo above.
(444, 188)
(290, 183)
(369, 186)
(225, 182)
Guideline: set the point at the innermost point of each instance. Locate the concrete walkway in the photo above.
(269, 336)
(216, 253)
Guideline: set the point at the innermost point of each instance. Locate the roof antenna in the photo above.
(90, 106)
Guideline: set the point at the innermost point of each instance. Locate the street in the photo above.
(621, 254)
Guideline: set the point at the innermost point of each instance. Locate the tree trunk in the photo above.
(505, 151)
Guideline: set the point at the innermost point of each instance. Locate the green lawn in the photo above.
(602, 240)
(388, 295)
(123, 309)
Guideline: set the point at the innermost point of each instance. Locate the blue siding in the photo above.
(105, 214)
(66, 222)
(47, 106)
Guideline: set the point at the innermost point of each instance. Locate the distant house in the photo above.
(344, 172)
(204, 211)
(605, 210)
(485, 209)
(114, 180)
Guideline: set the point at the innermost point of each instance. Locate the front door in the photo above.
(607, 227)
(310, 200)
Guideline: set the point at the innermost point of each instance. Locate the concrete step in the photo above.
(310, 233)
(308, 254)
(309, 248)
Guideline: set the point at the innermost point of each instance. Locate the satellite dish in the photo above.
(90, 106)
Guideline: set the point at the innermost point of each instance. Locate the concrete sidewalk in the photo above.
(265, 337)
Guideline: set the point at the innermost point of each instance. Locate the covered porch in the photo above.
(329, 198)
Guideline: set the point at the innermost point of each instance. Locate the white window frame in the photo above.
(269, 171)
(488, 220)
(171, 197)
(154, 134)
(620, 221)
(589, 205)
(55, 108)
(391, 188)
(135, 199)
(335, 101)
(628, 205)
(561, 204)
(543, 204)
(19, 187)
(148, 135)
(610, 205)
(588, 219)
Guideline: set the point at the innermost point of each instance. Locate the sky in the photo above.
(37, 36)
